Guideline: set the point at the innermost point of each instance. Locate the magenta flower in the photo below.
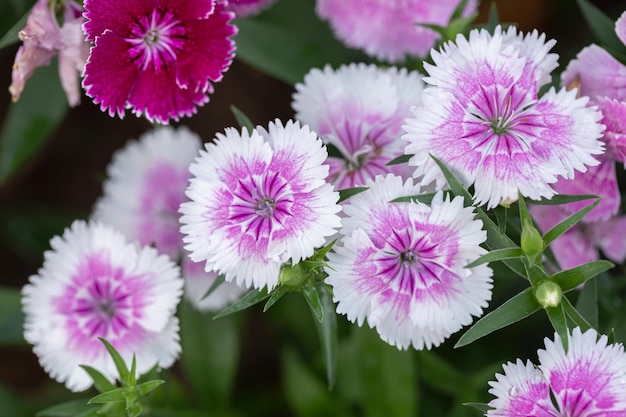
(142, 195)
(401, 266)
(359, 109)
(94, 284)
(482, 117)
(258, 200)
(389, 30)
(160, 55)
(43, 39)
(245, 8)
(586, 380)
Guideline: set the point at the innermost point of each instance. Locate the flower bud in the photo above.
(549, 294)
(531, 240)
(293, 276)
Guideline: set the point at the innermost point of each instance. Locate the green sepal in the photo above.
(251, 298)
(100, 381)
(513, 310)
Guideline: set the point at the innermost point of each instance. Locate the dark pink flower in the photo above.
(156, 57)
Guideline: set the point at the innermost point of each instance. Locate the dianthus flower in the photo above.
(401, 266)
(156, 57)
(43, 39)
(482, 117)
(246, 8)
(389, 29)
(359, 109)
(93, 284)
(586, 380)
(142, 195)
(258, 200)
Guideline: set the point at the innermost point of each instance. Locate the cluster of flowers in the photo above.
(251, 203)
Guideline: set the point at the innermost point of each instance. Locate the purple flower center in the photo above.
(261, 199)
(156, 40)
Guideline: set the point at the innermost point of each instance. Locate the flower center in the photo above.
(265, 207)
(408, 257)
(499, 125)
(105, 308)
(156, 40)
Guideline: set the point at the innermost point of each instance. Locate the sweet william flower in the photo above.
(482, 117)
(156, 57)
(401, 266)
(94, 284)
(588, 379)
(359, 109)
(257, 200)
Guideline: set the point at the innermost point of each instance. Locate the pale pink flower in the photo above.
(359, 109)
(482, 117)
(246, 8)
(93, 284)
(401, 266)
(389, 29)
(586, 380)
(259, 199)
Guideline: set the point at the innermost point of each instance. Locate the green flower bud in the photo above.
(549, 294)
(293, 276)
(531, 240)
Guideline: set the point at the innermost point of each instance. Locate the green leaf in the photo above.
(513, 310)
(587, 303)
(276, 295)
(535, 274)
(496, 255)
(327, 333)
(148, 386)
(568, 223)
(603, 27)
(572, 278)
(559, 322)
(210, 354)
(294, 23)
(11, 11)
(402, 159)
(251, 298)
(482, 407)
(100, 381)
(132, 375)
(113, 396)
(501, 218)
(439, 373)
(313, 299)
(346, 193)
(561, 199)
(12, 35)
(458, 11)
(11, 317)
(74, 408)
(122, 369)
(494, 19)
(32, 120)
(574, 315)
(422, 198)
(214, 286)
(243, 120)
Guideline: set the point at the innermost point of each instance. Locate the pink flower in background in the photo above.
(142, 195)
(43, 39)
(94, 284)
(359, 109)
(614, 118)
(482, 117)
(586, 380)
(401, 266)
(160, 55)
(389, 29)
(245, 8)
(258, 200)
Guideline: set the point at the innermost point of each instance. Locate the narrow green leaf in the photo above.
(243, 120)
(482, 407)
(559, 322)
(402, 159)
(327, 333)
(321, 253)
(575, 316)
(32, 120)
(214, 286)
(435, 28)
(496, 255)
(100, 381)
(313, 299)
(114, 396)
(561, 199)
(12, 35)
(148, 386)
(122, 369)
(603, 27)
(568, 223)
(587, 303)
(73, 408)
(513, 310)
(275, 295)
(346, 193)
(459, 25)
(494, 19)
(132, 375)
(572, 278)
(501, 218)
(458, 11)
(251, 298)
(422, 198)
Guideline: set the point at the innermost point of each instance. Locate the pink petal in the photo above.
(185, 9)
(609, 236)
(620, 27)
(27, 59)
(110, 65)
(614, 119)
(118, 16)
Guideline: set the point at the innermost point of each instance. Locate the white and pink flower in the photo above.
(257, 200)
(94, 284)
